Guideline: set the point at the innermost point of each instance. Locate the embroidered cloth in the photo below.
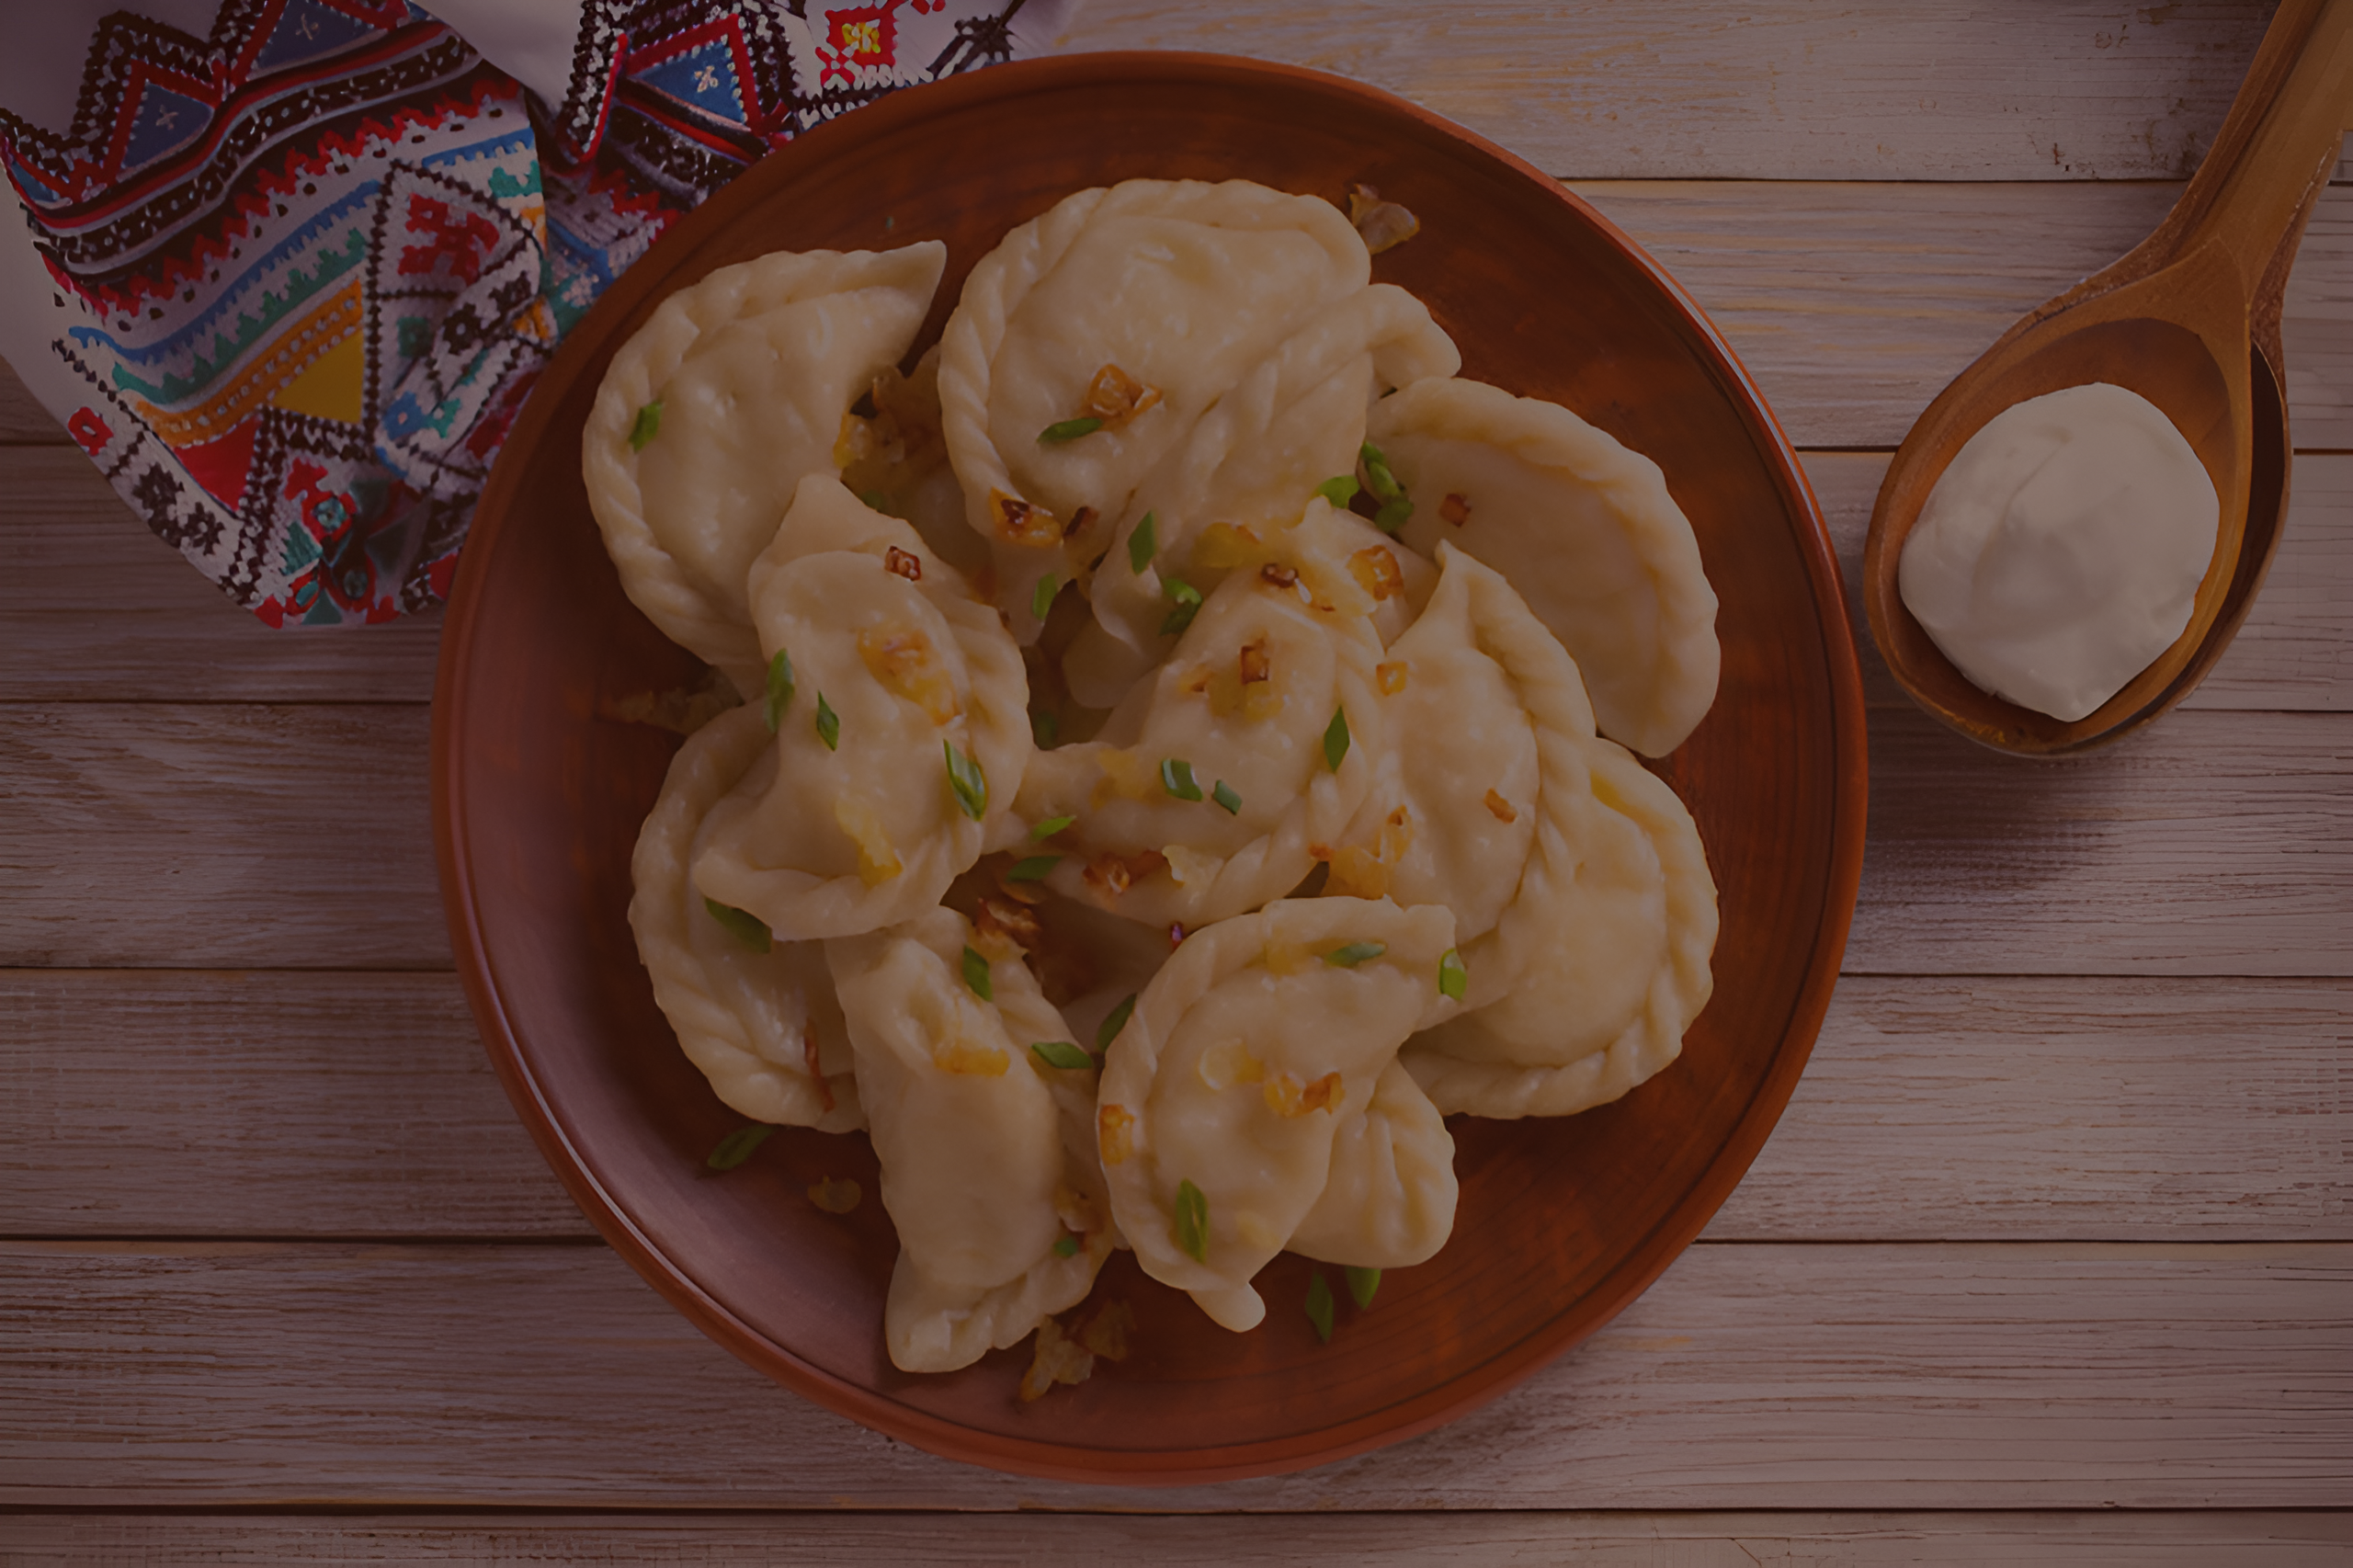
(288, 277)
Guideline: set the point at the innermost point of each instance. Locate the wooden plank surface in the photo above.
(198, 1103)
(1779, 90)
(2247, 1540)
(1788, 1376)
(229, 835)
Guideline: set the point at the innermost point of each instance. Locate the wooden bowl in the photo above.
(537, 798)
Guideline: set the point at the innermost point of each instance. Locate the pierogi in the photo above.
(1342, 840)
(710, 416)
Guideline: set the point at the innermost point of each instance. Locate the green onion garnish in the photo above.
(976, 976)
(1061, 1053)
(1113, 1022)
(779, 687)
(1355, 953)
(1453, 980)
(1140, 546)
(1193, 1221)
(1339, 491)
(1335, 739)
(648, 426)
(737, 1146)
(1392, 515)
(1069, 430)
(1066, 1245)
(1046, 727)
(964, 777)
(875, 500)
(1378, 479)
(1041, 598)
(1176, 777)
(1033, 868)
(1050, 827)
(1363, 1283)
(1319, 1307)
(829, 725)
(1186, 599)
(1225, 796)
(741, 924)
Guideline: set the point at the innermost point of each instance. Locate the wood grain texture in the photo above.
(2212, 844)
(2295, 651)
(24, 422)
(1781, 90)
(2110, 1539)
(195, 1104)
(1785, 1377)
(228, 836)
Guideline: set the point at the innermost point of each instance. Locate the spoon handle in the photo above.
(2279, 141)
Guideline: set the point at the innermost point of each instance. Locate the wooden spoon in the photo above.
(2190, 319)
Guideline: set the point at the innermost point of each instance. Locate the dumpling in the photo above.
(1389, 1200)
(1261, 1040)
(1452, 815)
(731, 393)
(1295, 420)
(1207, 788)
(902, 730)
(1141, 306)
(988, 1165)
(1593, 540)
(896, 461)
(1592, 975)
(757, 1016)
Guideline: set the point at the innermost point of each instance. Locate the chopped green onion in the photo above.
(1453, 980)
(1140, 546)
(964, 777)
(1339, 491)
(829, 725)
(1033, 868)
(1046, 727)
(1392, 515)
(875, 500)
(1355, 953)
(648, 426)
(779, 687)
(1061, 1053)
(1188, 601)
(1069, 430)
(1225, 796)
(1378, 479)
(976, 976)
(1319, 1307)
(1363, 1283)
(737, 1146)
(1050, 827)
(1041, 598)
(1335, 739)
(741, 924)
(1193, 1221)
(1176, 777)
(1066, 1245)
(1113, 1022)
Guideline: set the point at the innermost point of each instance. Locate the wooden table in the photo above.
(2052, 1256)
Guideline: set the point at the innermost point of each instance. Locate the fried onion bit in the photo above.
(1018, 522)
(1383, 224)
(1115, 397)
(1058, 1358)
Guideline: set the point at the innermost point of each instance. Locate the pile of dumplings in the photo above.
(1149, 813)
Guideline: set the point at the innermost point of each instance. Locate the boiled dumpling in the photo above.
(1595, 543)
(1592, 975)
(731, 393)
(1141, 306)
(902, 729)
(1389, 1200)
(1259, 1042)
(1208, 787)
(989, 1170)
(757, 1016)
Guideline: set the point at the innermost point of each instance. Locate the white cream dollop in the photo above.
(2061, 550)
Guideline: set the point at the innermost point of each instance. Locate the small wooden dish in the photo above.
(538, 796)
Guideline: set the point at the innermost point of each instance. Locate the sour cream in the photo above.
(2060, 552)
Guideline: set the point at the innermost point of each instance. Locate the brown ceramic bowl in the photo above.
(537, 799)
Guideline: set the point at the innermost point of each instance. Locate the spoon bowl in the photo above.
(2189, 320)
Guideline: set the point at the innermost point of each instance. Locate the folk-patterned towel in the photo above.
(291, 267)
